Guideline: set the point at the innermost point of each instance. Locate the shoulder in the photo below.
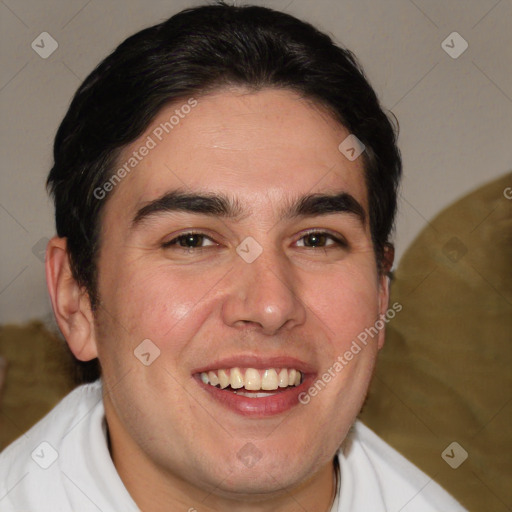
(397, 483)
(58, 421)
(36, 458)
(60, 418)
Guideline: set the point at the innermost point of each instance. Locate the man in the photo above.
(225, 188)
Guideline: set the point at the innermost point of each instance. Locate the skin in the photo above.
(174, 447)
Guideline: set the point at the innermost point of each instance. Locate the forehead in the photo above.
(262, 147)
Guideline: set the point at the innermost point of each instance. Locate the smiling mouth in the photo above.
(252, 382)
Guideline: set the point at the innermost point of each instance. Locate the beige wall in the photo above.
(455, 114)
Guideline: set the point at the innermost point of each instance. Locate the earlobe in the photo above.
(71, 304)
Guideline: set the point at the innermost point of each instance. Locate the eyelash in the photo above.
(339, 241)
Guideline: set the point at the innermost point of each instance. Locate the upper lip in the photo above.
(257, 362)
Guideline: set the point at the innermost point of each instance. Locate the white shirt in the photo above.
(63, 464)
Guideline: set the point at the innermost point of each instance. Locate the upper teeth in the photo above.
(252, 379)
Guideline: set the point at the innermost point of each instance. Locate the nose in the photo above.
(265, 295)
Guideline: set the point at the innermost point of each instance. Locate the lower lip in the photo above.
(261, 407)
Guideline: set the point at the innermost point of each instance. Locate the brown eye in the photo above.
(315, 239)
(189, 241)
(320, 239)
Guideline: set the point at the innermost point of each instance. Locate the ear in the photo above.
(384, 286)
(70, 302)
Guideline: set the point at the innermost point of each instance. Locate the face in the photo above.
(247, 286)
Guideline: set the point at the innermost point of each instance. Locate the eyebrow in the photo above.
(221, 205)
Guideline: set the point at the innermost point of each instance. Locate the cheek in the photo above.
(158, 302)
(347, 301)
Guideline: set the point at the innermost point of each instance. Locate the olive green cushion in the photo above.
(444, 373)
